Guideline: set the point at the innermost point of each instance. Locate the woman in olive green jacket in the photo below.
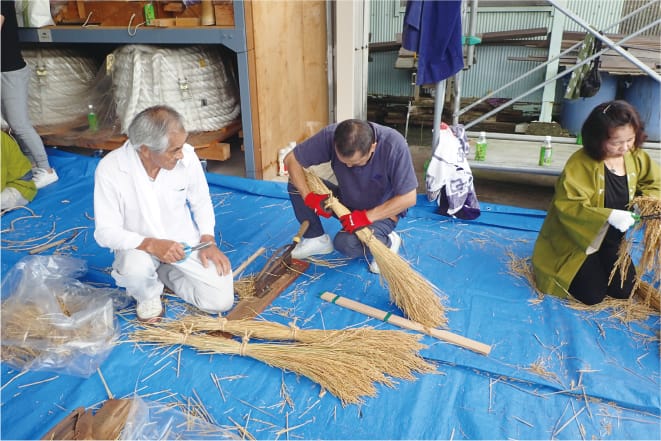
(577, 246)
(16, 185)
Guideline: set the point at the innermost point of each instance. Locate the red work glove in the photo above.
(355, 220)
(315, 202)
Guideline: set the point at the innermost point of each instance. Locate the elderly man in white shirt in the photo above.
(151, 199)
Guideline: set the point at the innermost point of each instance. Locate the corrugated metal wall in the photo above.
(492, 67)
(387, 17)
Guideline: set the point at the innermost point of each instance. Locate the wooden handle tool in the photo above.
(402, 322)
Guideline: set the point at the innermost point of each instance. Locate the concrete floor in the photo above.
(515, 189)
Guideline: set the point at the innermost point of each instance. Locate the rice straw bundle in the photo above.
(245, 287)
(646, 294)
(410, 291)
(650, 260)
(394, 352)
(334, 364)
(30, 330)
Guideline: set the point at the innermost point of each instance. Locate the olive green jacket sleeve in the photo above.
(576, 222)
(14, 165)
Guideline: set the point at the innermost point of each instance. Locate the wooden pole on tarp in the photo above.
(402, 322)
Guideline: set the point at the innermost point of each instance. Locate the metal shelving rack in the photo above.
(232, 38)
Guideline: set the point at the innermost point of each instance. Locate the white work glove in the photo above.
(621, 219)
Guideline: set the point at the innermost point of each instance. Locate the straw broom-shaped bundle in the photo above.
(411, 292)
(333, 364)
(650, 260)
(394, 352)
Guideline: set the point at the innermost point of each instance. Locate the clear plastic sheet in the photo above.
(53, 322)
(156, 421)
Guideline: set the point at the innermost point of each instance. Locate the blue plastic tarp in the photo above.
(553, 371)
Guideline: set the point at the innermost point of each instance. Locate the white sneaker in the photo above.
(149, 311)
(312, 246)
(43, 177)
(395, 243)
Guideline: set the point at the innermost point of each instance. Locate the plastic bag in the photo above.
(33, 13)
(592, 81)
(157, 421)
(53, 322)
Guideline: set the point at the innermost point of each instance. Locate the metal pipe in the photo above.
(539, 86)
(539, 138)
(457, 96)
(472, 24)
(642, 66)
(439, 99)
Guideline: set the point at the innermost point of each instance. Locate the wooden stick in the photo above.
(103, 380)
(208, 15)
(248, 261)
(402, 322)
(47, 246)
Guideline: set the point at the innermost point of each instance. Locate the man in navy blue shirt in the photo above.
(376, 182)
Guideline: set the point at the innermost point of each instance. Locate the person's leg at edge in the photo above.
(14, 103)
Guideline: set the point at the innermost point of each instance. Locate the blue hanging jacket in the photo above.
(432, 29)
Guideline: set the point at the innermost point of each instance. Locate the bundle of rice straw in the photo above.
(398, 358)
(346, 363)
(650, 260)
(410, 291)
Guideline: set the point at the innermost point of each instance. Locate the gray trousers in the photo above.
(14, 101)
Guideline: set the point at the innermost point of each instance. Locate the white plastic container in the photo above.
(282, 169)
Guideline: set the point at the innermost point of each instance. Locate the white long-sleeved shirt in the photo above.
(129, 206)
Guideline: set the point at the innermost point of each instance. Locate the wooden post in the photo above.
(402, 322)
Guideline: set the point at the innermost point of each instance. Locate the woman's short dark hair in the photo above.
(353, 135)
(603, 119)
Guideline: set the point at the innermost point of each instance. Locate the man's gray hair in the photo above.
(152, 128)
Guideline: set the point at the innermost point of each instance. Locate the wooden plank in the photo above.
(253, 306)
(123, 13)
(295, 32)
(219, 151)
(224, 13)
(208, 145)
(499, 36)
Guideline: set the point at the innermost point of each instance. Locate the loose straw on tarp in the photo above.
(410, 291)
(347, 364)
(650, 259)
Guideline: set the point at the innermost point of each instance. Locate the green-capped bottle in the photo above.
(546, 152)
(91, 119)
(481, 147)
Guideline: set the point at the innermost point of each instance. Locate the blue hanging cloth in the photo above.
(432, 29)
